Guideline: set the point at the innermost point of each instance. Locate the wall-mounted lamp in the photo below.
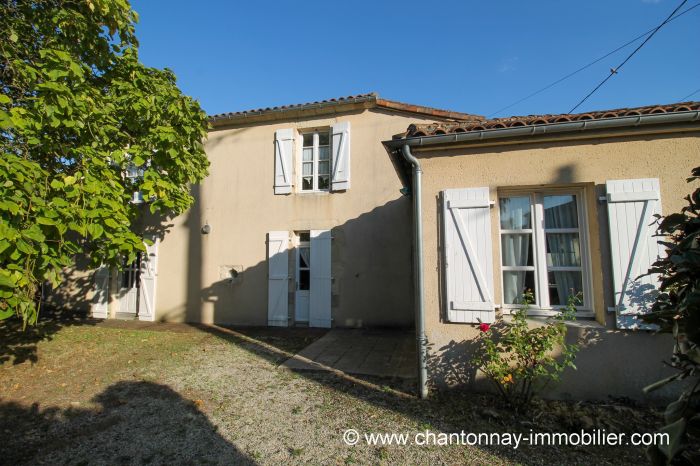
(206, 229)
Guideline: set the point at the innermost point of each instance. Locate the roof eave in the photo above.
(608, 127)
(562, 128)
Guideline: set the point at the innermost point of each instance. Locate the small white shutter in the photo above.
(320, 292)
(284, 149)
(633, 247)
(278, 278)
(147, 284)
(468, 263)
(100, 302)
(340, 147)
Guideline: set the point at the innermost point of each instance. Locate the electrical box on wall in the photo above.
(231, 273)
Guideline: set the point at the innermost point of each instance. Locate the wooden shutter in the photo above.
(468, 263)
(147, 285)
(278, 278)
(633, 248)
(100, 301)
(320, 291)
(340, 148)
(284, 149)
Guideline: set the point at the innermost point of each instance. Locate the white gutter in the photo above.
(549, 128)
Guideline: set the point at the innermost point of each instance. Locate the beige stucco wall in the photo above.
(615, 362)
(370, 222)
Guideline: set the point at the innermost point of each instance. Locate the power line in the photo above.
(614, 71)
(682, 99)
(589, 65)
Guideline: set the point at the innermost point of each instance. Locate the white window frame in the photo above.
(542, 306)
(315, 160)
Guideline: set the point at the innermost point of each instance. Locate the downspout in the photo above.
(421, 339)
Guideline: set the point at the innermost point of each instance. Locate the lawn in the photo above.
(79, 393)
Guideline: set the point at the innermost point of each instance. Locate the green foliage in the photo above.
(519, 359)
(77, 108)
(677, 310)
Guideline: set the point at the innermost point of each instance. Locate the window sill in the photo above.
(544, 312)
(582, 321)
(313, 192)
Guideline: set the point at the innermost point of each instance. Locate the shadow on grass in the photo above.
(20, 345)
(135, 423)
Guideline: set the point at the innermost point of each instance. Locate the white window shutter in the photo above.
(147, 285)
(633, 247)
(340, 147)
(100, 302)
(284, 149)
(278, 278)
(320, 291)
(468, 256)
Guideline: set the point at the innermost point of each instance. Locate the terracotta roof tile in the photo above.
(433, 129)
(372, 99)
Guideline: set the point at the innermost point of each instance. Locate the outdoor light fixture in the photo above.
(206, 229)
(137, 198)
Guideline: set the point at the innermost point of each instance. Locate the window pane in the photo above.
(323, 182)
(304, 280)
(562, 285)
(323, 138)
(560, 211)
(308, 140)
(307, 168)
(304, 236)
(514, 283)
(324, 153)
(515, 213)
(307, 183)
(563, 249)
(516, 249)
(308, 154)
(304, 257)
(324, 168)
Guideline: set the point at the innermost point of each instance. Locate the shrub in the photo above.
(518, 359)
(677, 310)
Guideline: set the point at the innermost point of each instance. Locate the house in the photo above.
(557, 204)
(365, 212)
(301, 221)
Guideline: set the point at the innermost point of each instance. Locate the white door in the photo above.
(129, 284)
(303, 281)
(320, 279)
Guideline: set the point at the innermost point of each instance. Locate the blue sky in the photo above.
(469, 56)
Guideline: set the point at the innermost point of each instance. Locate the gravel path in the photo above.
(98, 395)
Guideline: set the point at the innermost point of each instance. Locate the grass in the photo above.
(95, 395)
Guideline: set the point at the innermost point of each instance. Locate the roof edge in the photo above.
(429, 111)
(339, 105)
(556, 128)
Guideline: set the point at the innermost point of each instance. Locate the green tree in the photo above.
(77, 111)
(677, 310)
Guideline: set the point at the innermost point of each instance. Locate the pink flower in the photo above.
(484, 327)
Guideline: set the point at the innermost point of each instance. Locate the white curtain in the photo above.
(305, 257)
(515, 250)
(563, 248)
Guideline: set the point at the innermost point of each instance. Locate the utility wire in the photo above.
(614, 71)
(682, 99)
(590, 64)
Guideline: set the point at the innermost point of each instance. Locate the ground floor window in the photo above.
(543, 249)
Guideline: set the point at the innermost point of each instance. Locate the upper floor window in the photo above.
(542, 249)
(312, 160)
(316, 161)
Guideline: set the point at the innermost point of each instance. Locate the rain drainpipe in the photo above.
(418, 271)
